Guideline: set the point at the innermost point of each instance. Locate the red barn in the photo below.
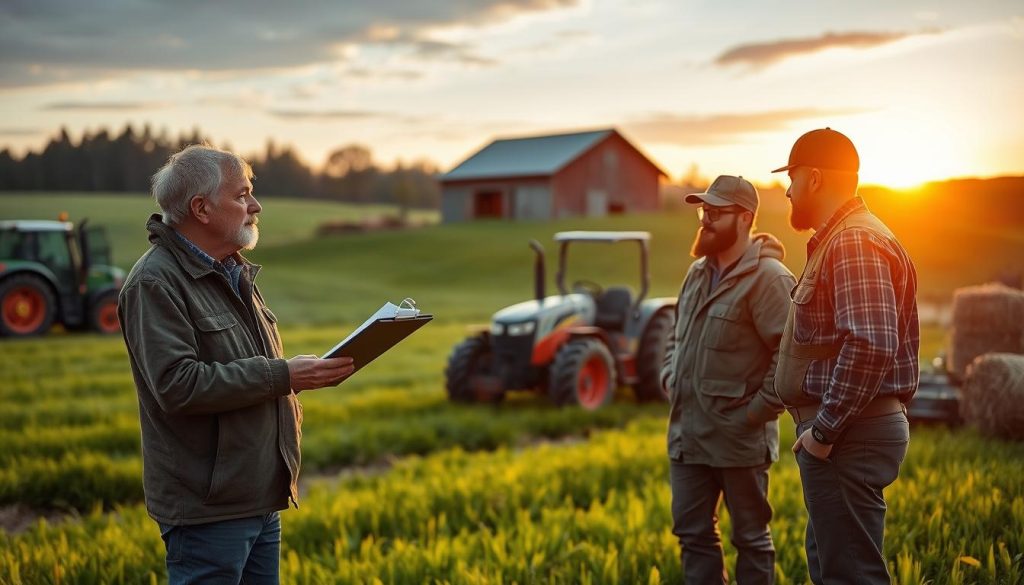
(548, 177)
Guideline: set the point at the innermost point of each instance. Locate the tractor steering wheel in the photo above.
(588, 286)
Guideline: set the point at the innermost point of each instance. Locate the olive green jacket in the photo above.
(720, 364)
(220, 424)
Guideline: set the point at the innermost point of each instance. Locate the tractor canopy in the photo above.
(608, 237)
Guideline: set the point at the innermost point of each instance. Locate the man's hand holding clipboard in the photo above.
(308, 372)
(379, 333)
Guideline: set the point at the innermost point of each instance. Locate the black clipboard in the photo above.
(378, 337)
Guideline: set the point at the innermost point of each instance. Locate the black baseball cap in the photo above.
(823, 149)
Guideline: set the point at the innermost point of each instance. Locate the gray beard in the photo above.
(247, 236)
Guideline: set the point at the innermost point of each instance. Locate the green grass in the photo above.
(124, 215)
(466, 272)
(69, 421)
(590, 512)
(458, 494)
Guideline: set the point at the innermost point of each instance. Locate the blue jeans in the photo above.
(697, 492)
(246, 551)
(845, 501)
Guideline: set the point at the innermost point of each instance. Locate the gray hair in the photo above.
(197, 171)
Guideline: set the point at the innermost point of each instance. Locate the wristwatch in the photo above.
(819, 436)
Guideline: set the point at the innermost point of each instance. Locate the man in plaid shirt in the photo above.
(848, 361)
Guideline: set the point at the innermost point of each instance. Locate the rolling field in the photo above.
(125, 214)
(402, 487)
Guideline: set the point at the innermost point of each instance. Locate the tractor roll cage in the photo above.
(566, 238)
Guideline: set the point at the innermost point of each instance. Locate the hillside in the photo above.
(465, 272)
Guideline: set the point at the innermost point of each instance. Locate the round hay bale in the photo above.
(964, 348)
(986, 319)
(988, 308)
(993, 395)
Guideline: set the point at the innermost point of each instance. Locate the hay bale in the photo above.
(993, 395)
(991, 307)
(986, 319)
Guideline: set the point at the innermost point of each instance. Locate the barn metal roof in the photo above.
(525, 157)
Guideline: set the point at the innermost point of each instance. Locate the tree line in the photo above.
(101, 161)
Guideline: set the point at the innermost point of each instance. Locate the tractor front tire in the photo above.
(27, 306)
(470, 368)
(651, 355)
(583, 373)
(103, 314)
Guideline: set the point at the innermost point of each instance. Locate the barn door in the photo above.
(487, 204)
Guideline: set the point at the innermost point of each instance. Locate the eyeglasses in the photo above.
(713, 214)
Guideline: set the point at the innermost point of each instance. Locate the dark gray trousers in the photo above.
(697, 491)
(843, 495)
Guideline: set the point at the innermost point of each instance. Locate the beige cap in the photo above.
(728, 190)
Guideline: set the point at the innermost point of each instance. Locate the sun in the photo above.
(905, 153)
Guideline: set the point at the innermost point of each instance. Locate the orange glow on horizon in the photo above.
(906, 151)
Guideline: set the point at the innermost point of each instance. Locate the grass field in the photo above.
(125, 214)
(465, 272)
(421, 507)
(401, 486)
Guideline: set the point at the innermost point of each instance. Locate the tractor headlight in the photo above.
(525, 328)
(497, 329)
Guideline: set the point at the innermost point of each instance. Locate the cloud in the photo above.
(464, 53)
(12, 131)
(560, 40)
(383, 74)
(759, 55)
(324, 115)
(40, 37)
(424, 48)
(237, 100)
(689, 130)
(103, 106)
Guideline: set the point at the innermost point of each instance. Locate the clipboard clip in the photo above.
(406, 309)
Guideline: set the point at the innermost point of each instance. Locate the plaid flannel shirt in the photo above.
(230, 268)
(866, 299)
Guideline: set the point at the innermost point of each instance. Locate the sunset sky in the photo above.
(927, 90)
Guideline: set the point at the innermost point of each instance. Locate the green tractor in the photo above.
(56, 272)
(577, 346)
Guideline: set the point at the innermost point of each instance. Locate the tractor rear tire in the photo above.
(103, 314)
(583, 373)
(27, 306)
(651, 355)
(470, 362)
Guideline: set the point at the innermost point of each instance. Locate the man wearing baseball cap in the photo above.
(848, 361)
(723, 433)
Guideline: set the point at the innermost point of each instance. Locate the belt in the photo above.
(880, 406)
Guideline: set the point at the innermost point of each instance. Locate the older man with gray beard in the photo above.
(218, 404)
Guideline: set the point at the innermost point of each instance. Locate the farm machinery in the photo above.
(56, 272)
(577, 346)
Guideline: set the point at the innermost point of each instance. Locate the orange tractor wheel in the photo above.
(103, 314)
(583, 373)
(27, 306)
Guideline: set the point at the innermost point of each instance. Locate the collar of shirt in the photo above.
(230, 267)
(717, 275)
(840, 214)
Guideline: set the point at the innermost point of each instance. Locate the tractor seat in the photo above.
(612, 307)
